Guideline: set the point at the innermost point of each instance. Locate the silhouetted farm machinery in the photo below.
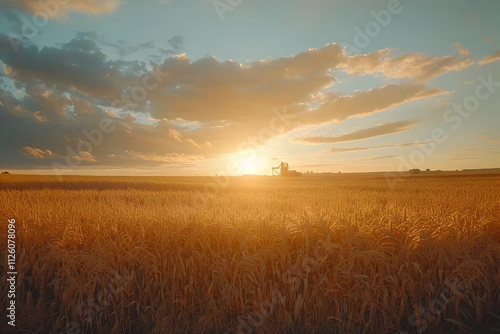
(284, 170)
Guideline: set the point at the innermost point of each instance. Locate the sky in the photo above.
(232, 87)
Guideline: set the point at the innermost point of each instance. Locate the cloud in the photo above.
(463, 51)
(382, 157)
(336, 150)
(464, 158)
(175, 134)
(154, 157)
(210, 91)
(85, 156)
(490, 59)
(202, 108)
(78, 66)
(363, 103)
(412, 65)
(59, 8)
(13, 18)
(492, 138)
(36, 152)
(379, 130)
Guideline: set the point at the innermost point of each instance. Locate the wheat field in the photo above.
(319, 254)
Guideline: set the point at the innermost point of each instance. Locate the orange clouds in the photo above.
(463, 51)
(197, 109)
(490, 59)
(58, 8)
(37, 153)
(413, 65)
(378, 130)
(173, 157)
(363, 103)
(335, 150)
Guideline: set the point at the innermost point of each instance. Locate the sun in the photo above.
(248, 166)
(246, 162)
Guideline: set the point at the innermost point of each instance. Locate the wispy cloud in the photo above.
(382, 157)
(86, 156)
(492, 138)
(379, 130)
(490, 59)
(335, 150)
(62, 8)
(411, 65)
(37, 153)
(463, 51)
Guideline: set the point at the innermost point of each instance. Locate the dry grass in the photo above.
(347, 254)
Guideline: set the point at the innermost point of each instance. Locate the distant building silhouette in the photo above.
(283, 170)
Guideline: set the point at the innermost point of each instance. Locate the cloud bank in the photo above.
(181, 110)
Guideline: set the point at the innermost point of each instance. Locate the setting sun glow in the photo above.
(231, 166)
(248, 166)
